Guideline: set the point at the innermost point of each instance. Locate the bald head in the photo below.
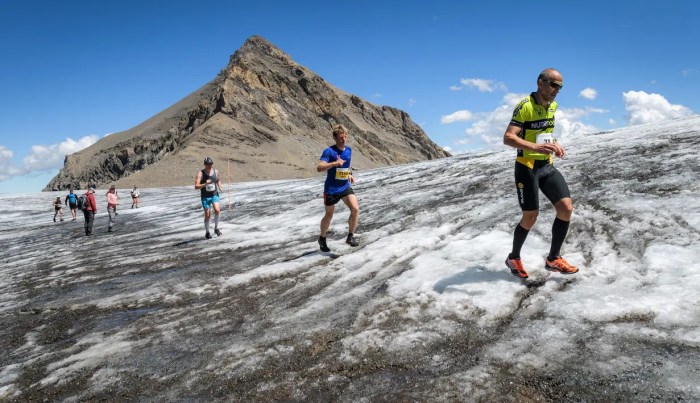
(550, 74)
(549, 83)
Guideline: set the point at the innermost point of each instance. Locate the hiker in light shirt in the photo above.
(112, 201)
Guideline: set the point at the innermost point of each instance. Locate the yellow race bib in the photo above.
(342, 174)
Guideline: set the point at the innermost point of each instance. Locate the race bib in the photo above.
(342, 174)
(545, 138)
(210, 187)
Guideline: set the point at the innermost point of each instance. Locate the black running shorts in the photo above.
(543, 176)
(330, 200)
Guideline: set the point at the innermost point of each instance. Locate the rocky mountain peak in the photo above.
(257, 45)
(268, 114)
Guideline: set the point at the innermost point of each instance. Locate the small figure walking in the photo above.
(112, 201)
(90, 210)
(72, 203)
(57, 209)
(135, 197)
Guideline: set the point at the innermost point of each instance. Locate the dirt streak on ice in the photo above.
(156, 311)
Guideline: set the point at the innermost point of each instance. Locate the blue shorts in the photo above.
(208, 202)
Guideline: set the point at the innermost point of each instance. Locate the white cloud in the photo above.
(612, 122)
(646, 108)
(411, 102)
(447, 148)
(567, 122)
(5, 156)
(459, 116)
(376, 95)
(455, 88)
(7, 167)
(50, 157)
(588, 93)
(483, 85)
(490, 126)
(512, 98)
(688, 72)
(575, 113)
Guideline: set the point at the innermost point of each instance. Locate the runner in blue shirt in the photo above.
(72, 201)
(335, 160)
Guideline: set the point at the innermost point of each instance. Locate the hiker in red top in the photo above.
(90, 211)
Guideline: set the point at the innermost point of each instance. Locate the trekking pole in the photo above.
(228, 162)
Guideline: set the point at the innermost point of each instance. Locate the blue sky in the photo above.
(75, 71)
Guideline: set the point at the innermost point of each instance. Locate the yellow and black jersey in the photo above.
(537, 125)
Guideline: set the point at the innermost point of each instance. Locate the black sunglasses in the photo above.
(555, 85)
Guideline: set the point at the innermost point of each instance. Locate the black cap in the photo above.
(208, 161)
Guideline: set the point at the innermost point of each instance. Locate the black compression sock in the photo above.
(519, 236)
(559, 230)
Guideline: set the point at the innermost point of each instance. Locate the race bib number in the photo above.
(342, 174)
(545, 138)
(210, 187)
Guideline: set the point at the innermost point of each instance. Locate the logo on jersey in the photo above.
(540, 124)
(518, 107)
(517, 110)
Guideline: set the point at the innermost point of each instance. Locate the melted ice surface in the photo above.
(424, 307)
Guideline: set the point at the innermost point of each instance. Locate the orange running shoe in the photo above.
(516, 267)
(559, 265)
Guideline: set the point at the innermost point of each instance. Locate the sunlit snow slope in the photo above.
(423, 310)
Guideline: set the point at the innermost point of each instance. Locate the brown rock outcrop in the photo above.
(268, 115)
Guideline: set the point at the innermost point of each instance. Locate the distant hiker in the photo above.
(72, 203)
(112, 201)
(208, 182)
(336, 161)
(57, 209)
(90, 210)
(530, 131)
(135, 197)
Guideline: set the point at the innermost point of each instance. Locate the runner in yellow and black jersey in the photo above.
(536, 123)
(531, 132)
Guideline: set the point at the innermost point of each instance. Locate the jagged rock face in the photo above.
(264, 116)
